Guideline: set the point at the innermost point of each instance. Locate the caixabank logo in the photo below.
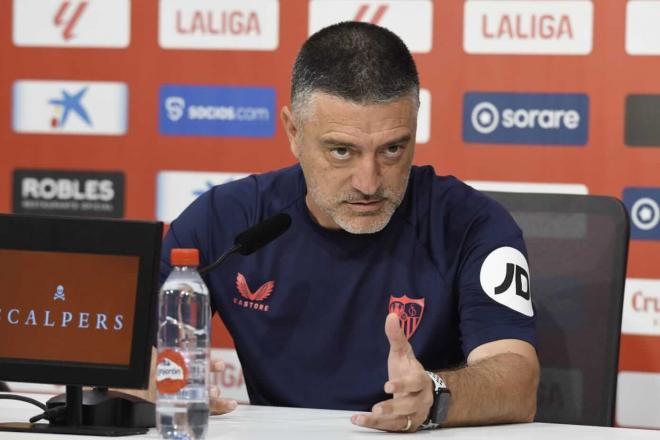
(74, 193)
(217, 111)
(70, 107)
(643, 206)
(525, 118)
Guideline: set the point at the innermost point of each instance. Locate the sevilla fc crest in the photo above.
(409, 311)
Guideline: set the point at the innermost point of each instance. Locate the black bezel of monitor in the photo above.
(93, 236)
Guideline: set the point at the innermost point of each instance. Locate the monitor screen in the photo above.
(61, 301)
(77, 300)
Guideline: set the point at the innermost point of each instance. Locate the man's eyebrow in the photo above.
(400, 140)
(336, 142)
(331, 142)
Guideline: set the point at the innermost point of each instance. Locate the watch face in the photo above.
(441, 407)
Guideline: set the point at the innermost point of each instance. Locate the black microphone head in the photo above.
(261, 234)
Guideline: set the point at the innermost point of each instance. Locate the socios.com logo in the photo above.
(175, 106)
(217, 111)
(525, 118)
(644, 209)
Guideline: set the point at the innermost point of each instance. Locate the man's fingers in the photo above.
(411, 383)
(217, 365)
(219, 405)
(401, 406)
(398, 341)
(393, 424)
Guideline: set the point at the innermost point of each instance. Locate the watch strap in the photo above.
(438, 411)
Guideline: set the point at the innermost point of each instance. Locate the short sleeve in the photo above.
(494, 285)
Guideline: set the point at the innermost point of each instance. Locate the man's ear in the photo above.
(291, 129)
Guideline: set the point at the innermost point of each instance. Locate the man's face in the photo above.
(356, 159)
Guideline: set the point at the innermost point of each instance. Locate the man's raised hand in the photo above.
(411, 387)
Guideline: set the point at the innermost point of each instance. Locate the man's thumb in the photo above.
(394, 333)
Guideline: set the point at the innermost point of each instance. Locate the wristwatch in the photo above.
(441, 399)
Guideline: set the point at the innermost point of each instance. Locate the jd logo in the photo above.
(522, 280)
(504, 277)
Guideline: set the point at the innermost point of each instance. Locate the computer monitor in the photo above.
(78, 300)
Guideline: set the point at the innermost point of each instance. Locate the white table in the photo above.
(260, 422)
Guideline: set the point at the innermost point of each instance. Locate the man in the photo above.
(370, 235)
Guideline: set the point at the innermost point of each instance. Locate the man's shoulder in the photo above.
(449, 197)
(269, 192)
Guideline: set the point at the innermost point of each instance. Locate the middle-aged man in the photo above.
(374, 242)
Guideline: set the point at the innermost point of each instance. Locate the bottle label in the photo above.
(171, 372)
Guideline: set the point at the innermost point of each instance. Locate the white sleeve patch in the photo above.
(505, 278)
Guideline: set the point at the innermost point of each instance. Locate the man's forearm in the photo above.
(498, 389)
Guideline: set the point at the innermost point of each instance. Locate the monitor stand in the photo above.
(94, 412)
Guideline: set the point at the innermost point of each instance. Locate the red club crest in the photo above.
(409, 311)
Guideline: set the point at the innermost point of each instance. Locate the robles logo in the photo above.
(82, 193)
(525, 118)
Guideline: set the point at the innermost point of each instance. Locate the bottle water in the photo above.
(182, 373)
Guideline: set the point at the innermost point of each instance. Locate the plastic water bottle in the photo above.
(182, 373)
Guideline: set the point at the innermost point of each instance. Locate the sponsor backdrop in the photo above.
(131, 109)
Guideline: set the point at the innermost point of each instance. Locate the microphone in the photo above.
(254, 238)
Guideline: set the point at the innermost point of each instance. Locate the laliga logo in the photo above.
(485, 118)
(175, 106)
(645, 214)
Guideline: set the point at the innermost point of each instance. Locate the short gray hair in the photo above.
(359, 62)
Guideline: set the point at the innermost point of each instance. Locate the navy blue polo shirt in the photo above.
(307, 312)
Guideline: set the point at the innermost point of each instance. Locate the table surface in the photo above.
(254, 422)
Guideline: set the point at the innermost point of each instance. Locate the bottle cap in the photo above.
(184, 257)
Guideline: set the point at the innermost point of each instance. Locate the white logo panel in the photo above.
(529, 187)
(424, 117)
(230, 380)
(210, 24)
(70, 107)
(543, 27)
(641, 307)
(642, 30)
(504, 277)
(72, 23)
(178, 189)
(412, 20)
(638, 400)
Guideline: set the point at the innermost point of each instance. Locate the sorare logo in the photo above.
(525, 118)
(643, 205)
(217, 111)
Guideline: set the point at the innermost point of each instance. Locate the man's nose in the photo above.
(366, 176)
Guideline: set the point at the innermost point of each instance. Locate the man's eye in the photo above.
(393, 150)
(340, 153)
